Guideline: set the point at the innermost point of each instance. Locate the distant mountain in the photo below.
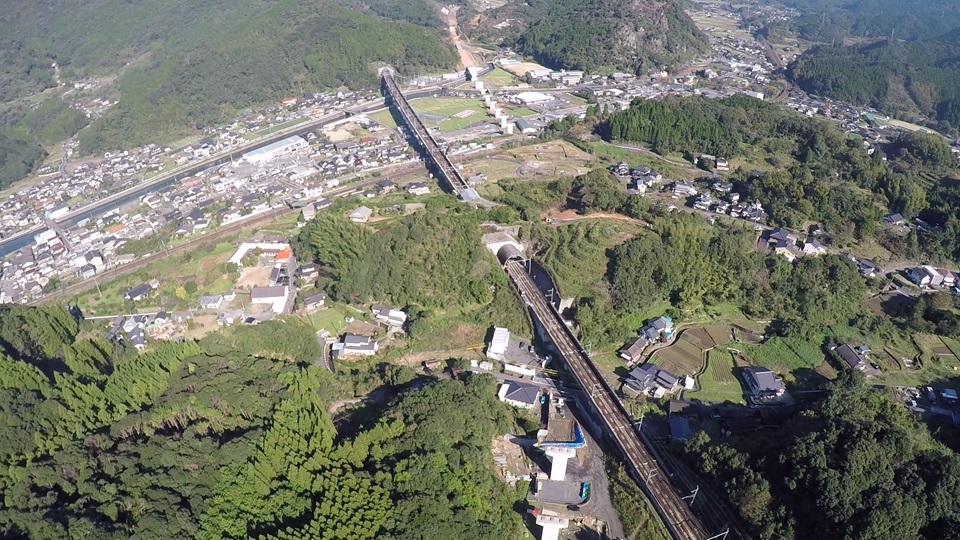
(186, 65)
(905, 78)
(832, 21)
(594, 34)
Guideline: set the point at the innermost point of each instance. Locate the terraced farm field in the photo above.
(719, 382)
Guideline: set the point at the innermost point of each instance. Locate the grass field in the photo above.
(787, 354)
(204, 267)
(383, 118)
(443, 106)
(499, 77)
(521, 112)
(447, 107)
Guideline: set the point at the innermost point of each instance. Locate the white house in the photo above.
(361, 215)
(519, 394)
(276, 296)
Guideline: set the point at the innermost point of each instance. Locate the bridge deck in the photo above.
(433, 154)
(645, 465)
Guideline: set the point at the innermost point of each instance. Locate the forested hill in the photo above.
(204, 440)
(593, 34)
(185, 65)
(903, 78)
(856, 466)
(832, 21)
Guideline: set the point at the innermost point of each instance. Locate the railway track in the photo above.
(645, 465)
(434, 154)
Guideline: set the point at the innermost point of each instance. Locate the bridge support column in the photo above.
(551, 526)
(558, 461)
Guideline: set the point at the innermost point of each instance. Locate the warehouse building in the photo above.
(274, 150)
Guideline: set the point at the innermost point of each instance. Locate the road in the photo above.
(645, 467)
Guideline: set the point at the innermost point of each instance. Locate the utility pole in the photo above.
(692, 496)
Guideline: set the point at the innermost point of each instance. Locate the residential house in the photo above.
(314, 302)
(657, 327)
(762, 383)
(649, 379)
(418, 188)
(87, 271)
(519, 394)
(812, 246)
(683, 189)
(925, 275)
(867, 268)
(386, 186)
(855, 358)
(392, 317)
(894, 219)
(309, 270)
(361, 215)
(789, 251)
(136, 338)
(211, 301)
(632, 350)
(138, 293)
(354, 345)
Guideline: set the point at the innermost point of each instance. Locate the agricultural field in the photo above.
(536, 161)
(680, 358)
(719, 381)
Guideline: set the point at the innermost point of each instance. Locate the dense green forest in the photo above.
(19, 156)
(857, 465)
(216, 440)
(594, 34)
(189, 65)
(903, 78)
(431, 261)
(832, 21)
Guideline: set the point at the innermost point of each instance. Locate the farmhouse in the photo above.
(354, 345)
(649, 379)
(389, 316)
(762, 383)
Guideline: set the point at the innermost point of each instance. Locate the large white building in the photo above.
(497, 347)
(274, 150)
